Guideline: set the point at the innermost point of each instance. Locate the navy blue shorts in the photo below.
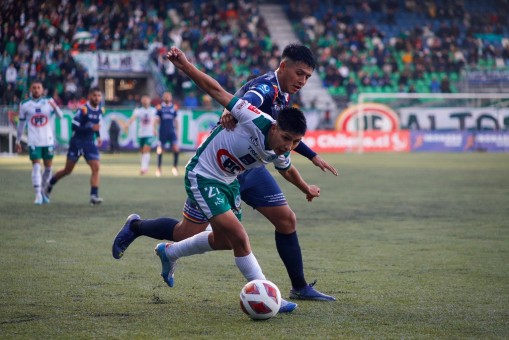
(168, 138)
(85, 148)
(257, 188)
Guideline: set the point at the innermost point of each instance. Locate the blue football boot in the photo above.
(310, 293)
(168, 267)
(124, 237)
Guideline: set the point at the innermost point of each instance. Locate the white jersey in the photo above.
(36, 113)
(226, 154)
(146, 118)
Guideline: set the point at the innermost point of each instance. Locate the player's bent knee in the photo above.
(287, 224)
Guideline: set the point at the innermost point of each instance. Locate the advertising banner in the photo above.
(492, 141)
(457, 141)
(116, 61)
(333, 141)
(454, 118)
(191, 123)
(447, 141)
(371, 141)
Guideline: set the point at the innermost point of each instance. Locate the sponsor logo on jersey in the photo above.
(228, 163)
(241, 104)
(247, 159)
(254, 153)
(237, 201)
(254, 141)
(276, 92)
(264, 88)
(254, 109)
(39, 120)
(277, 108)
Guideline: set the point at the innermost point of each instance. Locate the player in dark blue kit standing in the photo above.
(269, 92)
(85, 135)
(168, 127)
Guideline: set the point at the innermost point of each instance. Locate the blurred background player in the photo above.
(146, 116)
(36, 113)
(168, 128)
(85, 135)
(114, 134)
(270, 93)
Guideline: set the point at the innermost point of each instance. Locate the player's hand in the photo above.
(313, 191)
(99, 141)
(227, 120)
(324, 165)
(96, 127)
(177, 57)
(19, 149)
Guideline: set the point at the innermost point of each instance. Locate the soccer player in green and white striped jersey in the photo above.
(211, 175)
(35, 113)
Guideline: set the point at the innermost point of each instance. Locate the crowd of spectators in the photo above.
(401, 46)
(231, 42)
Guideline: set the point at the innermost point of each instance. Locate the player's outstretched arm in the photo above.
(319, 162)
(204, 81)
(293, 176)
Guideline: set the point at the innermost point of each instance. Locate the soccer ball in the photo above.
(260, 299)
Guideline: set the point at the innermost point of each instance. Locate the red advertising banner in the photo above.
(334, 141)
(370, 141)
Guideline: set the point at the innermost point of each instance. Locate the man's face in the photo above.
(282, 141)
(36, 89)
(293, 76)
(145, 101)
(95, 98)
(167, 97)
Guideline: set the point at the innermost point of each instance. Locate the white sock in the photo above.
(249, 267)
(36, 178)
(46, 175)
(198, 244)
(145, 160)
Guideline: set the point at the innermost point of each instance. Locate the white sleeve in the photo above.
(283, 162)
(21, 123)
(56, 108)
(244, 111)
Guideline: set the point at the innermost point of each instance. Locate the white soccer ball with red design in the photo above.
(260, 299)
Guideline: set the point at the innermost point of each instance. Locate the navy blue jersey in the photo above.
(264, 93)
(167, 115)
(84, 119)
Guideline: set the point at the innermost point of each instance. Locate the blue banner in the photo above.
(459, 141)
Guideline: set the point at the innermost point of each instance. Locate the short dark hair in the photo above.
(291, 119)
(37, 81)
(94, 89)
(299, 53)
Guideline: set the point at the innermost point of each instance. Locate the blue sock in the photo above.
(159, 160)
(175, 159)
(289, 250)
(159, 228)
(94, 191)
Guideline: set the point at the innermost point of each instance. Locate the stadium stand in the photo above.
(370, 46)
(403, 46)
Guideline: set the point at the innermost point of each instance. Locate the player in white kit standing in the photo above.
(36, 113)
(147, 117)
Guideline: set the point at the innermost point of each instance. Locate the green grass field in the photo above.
(412, 246)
